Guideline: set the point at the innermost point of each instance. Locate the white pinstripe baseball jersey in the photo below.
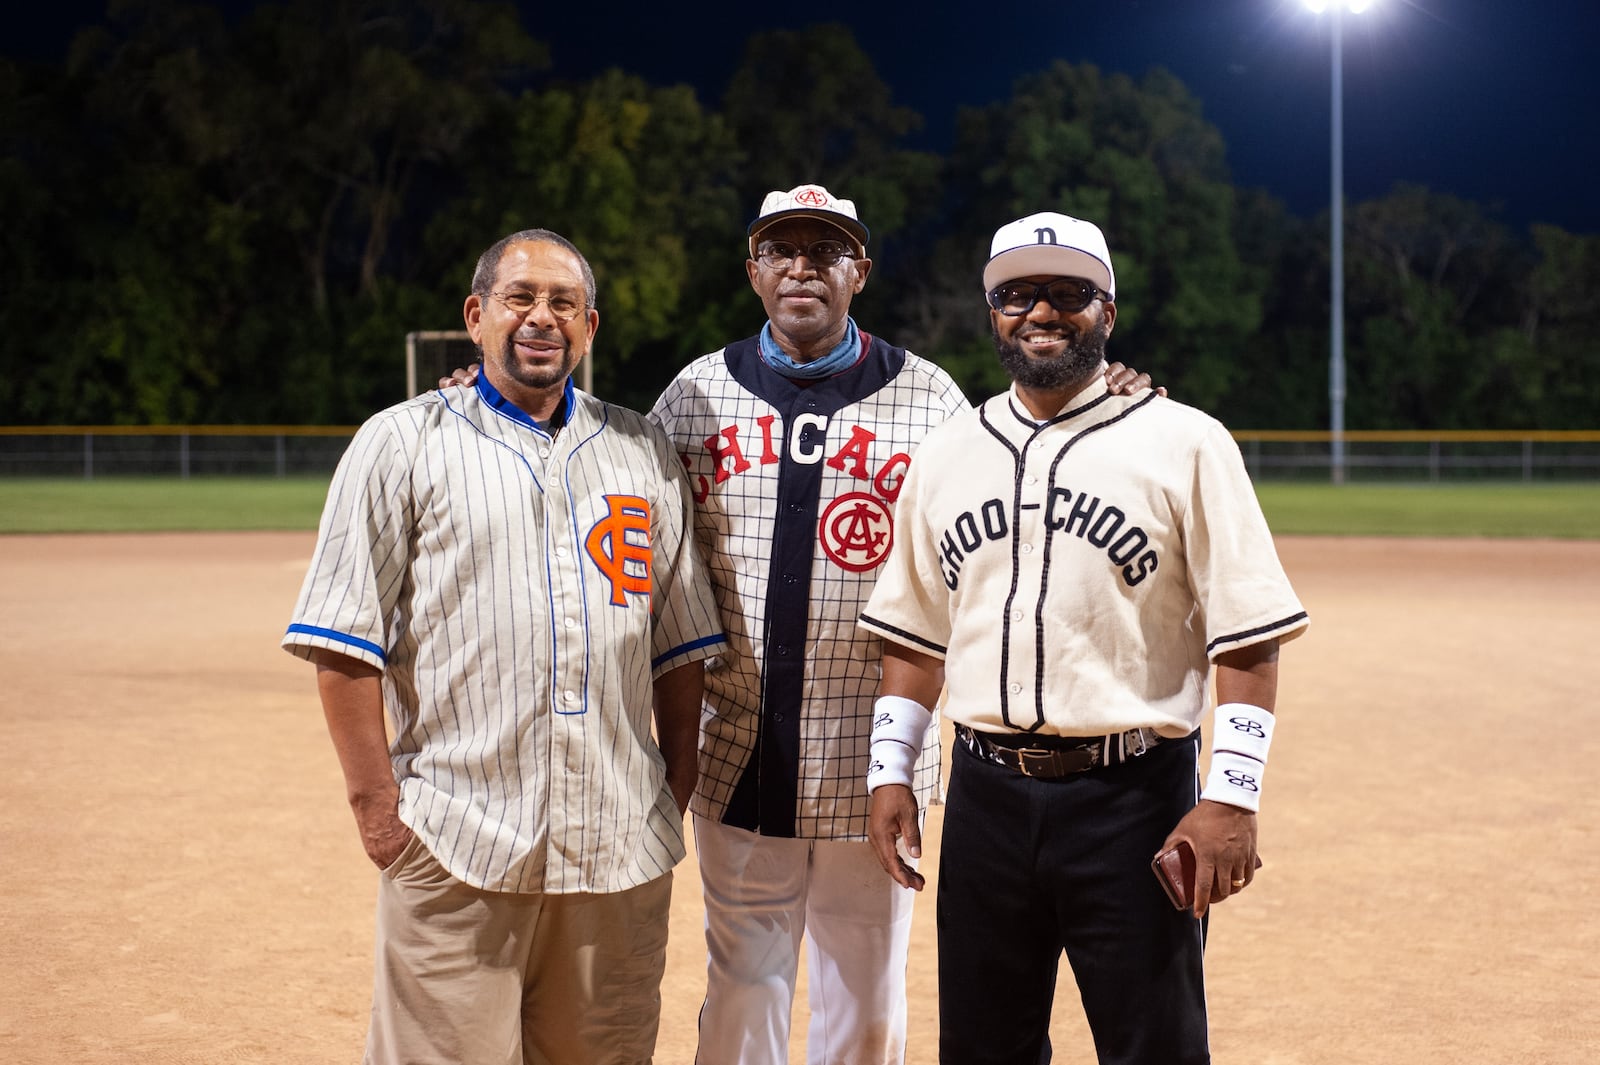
(1077, 577)
(794, 489)
(519, 592)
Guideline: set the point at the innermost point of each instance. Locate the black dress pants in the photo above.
(1031, 868)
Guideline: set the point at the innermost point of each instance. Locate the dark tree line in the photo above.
(212, 223)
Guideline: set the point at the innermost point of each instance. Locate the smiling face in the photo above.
(528, 357)
(807, 304)
(1047, 350)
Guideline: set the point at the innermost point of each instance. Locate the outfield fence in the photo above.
(91, 451)
(1421, 455)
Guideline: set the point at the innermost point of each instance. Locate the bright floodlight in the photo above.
(1336, 382)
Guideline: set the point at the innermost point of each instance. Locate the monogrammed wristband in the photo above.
(898, 726)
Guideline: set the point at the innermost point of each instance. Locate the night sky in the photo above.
(1495, 101)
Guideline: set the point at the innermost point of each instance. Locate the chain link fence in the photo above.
(181, 451)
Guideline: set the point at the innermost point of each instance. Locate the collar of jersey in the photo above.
(1091, 396)
(501, 405)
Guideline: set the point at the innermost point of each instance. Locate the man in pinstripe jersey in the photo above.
(508, 570)
(796, 441)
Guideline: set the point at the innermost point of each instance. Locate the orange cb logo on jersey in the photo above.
(619, 545)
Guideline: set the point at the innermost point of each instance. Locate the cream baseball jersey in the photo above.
(1078, 576)
(519, 592)
(794, 490)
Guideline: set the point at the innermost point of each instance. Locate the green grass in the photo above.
(1558, 511)
(159, 504)
(149, 504)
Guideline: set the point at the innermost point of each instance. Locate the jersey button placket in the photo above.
(566, 608)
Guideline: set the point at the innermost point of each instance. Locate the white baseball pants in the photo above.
(762, 896)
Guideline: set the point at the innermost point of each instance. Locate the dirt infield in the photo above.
(181, 880)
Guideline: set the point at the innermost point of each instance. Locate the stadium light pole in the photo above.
(1336, 390)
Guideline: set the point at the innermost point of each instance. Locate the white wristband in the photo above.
(1241, 737)
(1235, 780)
(898, 728)
(1243, 729)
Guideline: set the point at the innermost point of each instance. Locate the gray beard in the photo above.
(1082, 356)
(547, 379)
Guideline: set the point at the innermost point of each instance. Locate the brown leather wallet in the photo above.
(1175, 869)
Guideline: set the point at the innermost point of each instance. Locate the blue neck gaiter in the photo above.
(840, 358)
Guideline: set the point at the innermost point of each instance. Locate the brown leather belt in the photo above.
(1056, 756)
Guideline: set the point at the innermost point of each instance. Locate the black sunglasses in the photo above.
(1069, 295)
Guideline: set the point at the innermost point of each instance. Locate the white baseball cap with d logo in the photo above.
(1049, 244)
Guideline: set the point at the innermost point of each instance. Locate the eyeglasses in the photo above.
(1069, 295)
(780, 254)
(563, 308)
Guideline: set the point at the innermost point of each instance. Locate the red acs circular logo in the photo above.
(856, 531)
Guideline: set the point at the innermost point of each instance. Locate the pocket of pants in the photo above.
(405, 855)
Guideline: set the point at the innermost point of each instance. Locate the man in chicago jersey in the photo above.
(797, 441)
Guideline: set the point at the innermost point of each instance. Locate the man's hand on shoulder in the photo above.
(1121, 380)
(466, 375)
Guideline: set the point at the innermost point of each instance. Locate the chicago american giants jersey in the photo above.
(1078, 576)
(794, 487)
(519, 592)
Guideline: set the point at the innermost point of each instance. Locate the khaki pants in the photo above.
(470, 977)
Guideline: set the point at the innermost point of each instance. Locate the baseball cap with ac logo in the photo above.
(809, 201)
(1051, 244)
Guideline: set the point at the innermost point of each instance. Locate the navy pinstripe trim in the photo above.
(341, 637)
(476, 428)
(577, 535)
(692, 645)
(1234, 637)
(903, 634)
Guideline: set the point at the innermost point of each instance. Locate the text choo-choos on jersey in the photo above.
(1104, 526)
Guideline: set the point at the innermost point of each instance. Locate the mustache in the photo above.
(533, 333)
(1060, 328)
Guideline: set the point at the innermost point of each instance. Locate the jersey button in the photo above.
(1016, 615)
(1016, 689)
(1027, 549)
